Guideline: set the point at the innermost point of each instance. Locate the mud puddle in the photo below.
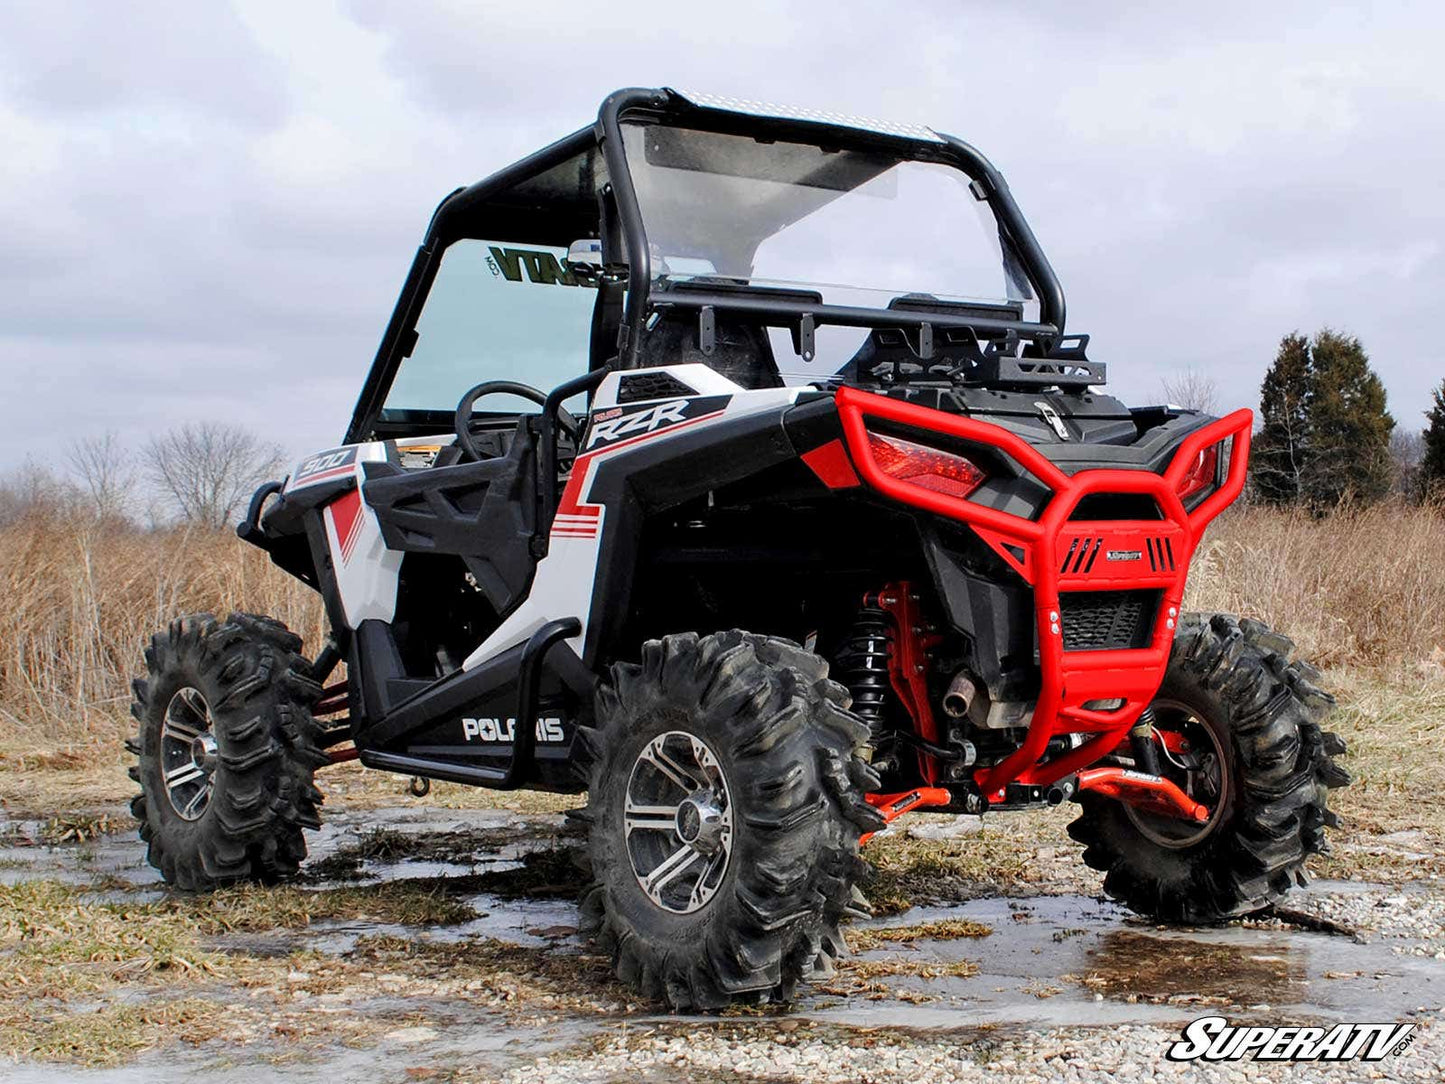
(1072, 960)
(514, 981)
(351, 848)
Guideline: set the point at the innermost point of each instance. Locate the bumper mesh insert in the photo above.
(1107, 620)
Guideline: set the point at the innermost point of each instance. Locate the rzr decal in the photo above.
(612, 431)
(619, 423)
(325, 466)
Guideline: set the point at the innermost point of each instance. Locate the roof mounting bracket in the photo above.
(805, 343)
(706, 330)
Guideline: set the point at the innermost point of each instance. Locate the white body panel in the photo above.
(562, 585)
(366, 571)
(699, 378)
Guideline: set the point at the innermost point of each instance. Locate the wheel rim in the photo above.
(1201, 771)
(189, 754)
(678, 821)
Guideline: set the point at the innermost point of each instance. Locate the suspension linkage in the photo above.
(893, 806)
(1150, 793)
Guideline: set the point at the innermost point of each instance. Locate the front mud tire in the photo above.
(249, 673)
(1265, 709)
(791, 756)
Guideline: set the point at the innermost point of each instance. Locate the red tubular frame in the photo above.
(1036, 550)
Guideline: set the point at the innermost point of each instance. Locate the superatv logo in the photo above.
(502, 730)
(1213, 1038)
(542, 268)
(631, 421)
(1123, 555)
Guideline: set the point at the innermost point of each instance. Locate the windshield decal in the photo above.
(542, 268)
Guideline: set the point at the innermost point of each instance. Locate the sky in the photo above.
(207, 208)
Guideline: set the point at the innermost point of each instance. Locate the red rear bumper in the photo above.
(1057, 555)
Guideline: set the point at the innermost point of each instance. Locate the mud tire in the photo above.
(790, 751)
(259, 689)
(1266, 709)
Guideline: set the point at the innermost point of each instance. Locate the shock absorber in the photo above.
(1141, 739)
(862, 665)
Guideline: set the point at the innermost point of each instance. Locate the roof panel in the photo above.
(818, 116)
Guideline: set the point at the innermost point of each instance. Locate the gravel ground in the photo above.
(1411, 920)
(1124, 1053)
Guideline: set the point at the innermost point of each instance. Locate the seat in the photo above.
(741, 350)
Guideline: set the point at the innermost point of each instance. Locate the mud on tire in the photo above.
(1265, 709)
(249, 673)
(789, 751)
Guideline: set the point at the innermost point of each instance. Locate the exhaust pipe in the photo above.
(960, 694)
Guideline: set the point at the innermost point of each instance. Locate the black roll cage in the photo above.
(800, 314)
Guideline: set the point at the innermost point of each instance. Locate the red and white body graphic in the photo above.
(366, 571)
(565, 578)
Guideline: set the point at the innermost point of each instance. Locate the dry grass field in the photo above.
(80, 600)
(1361, 593)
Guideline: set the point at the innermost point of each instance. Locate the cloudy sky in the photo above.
(207, 208)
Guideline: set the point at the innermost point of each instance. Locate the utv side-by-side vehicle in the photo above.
(715, 462)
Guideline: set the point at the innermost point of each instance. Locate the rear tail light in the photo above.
(926, 468)
(1201, 474)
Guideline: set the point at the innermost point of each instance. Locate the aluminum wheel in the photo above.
(679, 822)
(188, 753)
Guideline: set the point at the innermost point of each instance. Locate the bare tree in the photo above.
(1280, 452)
(1407, 449)
(106, 472)
(1192, 390)
(207, 471)
(1277, 473)
(34, 490)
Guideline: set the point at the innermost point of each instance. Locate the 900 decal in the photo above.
(333, 463)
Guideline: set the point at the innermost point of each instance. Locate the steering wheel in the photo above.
(569, 424)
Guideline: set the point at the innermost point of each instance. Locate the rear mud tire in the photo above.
(790, 752)
(258, 688)
(1265, 709)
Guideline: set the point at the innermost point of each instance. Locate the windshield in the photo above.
(860, 227)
